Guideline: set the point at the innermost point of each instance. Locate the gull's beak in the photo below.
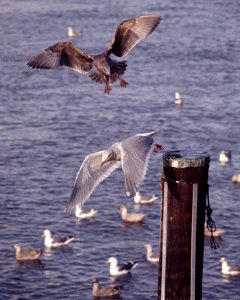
(101, 164)
(107, 262)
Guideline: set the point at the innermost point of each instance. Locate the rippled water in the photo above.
(50, 120)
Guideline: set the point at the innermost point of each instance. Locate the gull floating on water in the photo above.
(150, 257)
(139, 199)
(227, 270)
(84, 215)
(107, 70)
(236, 178)
(116, 270)
(131, 217)
(224, 156)
(132, 154)
(178, 99)
(72, 33)
(57, 242)
(107, 291)
(27, 255)
(217, 233)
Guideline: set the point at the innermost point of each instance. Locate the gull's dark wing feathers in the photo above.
(136, 151)
(90, 175)
(130, 32)
(62, 54)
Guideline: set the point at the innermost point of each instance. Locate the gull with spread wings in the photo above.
(107, 70)
(132, 154)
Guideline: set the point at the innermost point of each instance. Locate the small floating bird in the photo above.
(139, 199)
(217, 233)
(225, 156)
(150, 257)
(107, 291)
(178, 99)
(132, 154)
(72, 33)
(27, 255)
(124, 269)
(131, 217)
(84, 215)
(236, 178)
(107, 70)
(227, 270)
(49, 242)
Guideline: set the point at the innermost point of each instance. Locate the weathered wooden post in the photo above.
(184, 187)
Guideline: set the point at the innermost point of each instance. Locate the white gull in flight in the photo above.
(132, 154)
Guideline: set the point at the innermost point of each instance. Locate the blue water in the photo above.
(50, 120)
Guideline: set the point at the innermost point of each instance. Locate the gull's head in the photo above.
(17, 246)
(223, 259)
(111, 260)
(95, 280)
(46, 233)
(148, 246)
(107, 156)
(123, 209)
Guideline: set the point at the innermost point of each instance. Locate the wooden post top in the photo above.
(185, 159)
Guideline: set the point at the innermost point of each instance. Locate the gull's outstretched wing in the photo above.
(131, 32)
(136, 151)
(90, 175)
(62, 54)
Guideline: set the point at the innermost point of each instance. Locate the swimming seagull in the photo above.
(131, 217)
(107, 291)
(27, 255)
(116, 270)
(150, 257)
(224, 156)
(57, 242)
(84, 215)
(227, 270)
(217, 233)
(139, 199)
(178, 99)
(132, 154)
(107, 70)
(72, 33)
(236, 178)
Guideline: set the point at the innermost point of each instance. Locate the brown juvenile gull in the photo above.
(107, 70)
(150, 257)
(107, 291)
(227, 270)
(50, 242)
(132, 154)
(27, 255)
(131, 217)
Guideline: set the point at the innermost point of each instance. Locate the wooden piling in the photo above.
(184, 185)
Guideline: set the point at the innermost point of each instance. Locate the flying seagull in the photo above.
(107, 70)
(132, 154)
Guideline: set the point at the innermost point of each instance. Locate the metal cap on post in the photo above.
(184, 188)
